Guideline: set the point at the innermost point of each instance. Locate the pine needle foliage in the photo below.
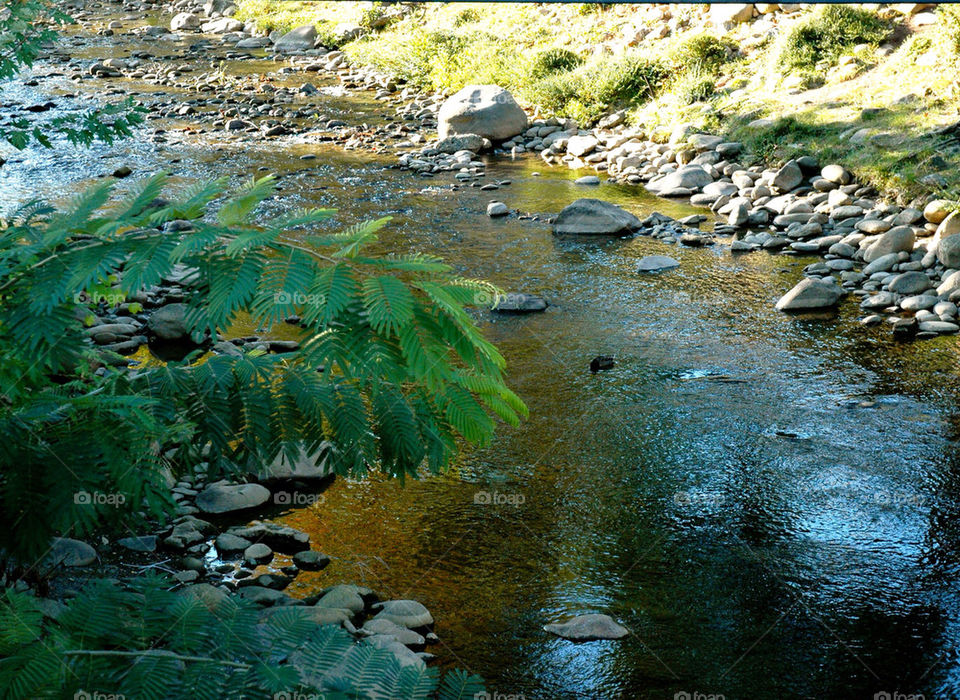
(145, 639)
(392, 372)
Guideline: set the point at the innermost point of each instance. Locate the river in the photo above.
(768, 503)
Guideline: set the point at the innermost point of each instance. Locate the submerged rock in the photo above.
(584, 628)
(226, 498)
(657, 263)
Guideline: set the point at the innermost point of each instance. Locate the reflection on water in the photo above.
(768, 502)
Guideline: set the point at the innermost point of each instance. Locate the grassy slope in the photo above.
(445, 46)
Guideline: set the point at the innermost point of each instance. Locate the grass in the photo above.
(815, 77)
(819, 40)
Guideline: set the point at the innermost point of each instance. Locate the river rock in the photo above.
(882, 264)
(403, 635)
(948, 251)
(810, 294)
(495, 209)
(344, 597)
(584, 628)
(938, 327)
(788, 177)
(836, 174)
(258, 553)
(308, 560)
(581, 145)
(587, 180)
(487, 110)
(143, 543)
(900, 238)
(460, 142)
(169, 322)
(950, 226)
(880, 300)
(657, 263)
(300, 39)
(595, 217)
(68, 552)
(909, 283)
(520, 303)
(406, 613)
(226, 498)
(231, 544)
(184, 20)
(691, 177)
(936, 211)
(278, 537)
(224, 25)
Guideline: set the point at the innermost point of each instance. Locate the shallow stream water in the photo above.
(769, 503)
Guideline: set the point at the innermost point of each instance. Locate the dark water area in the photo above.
(768, 502)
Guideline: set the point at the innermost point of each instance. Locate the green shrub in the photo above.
(410, 57)
(466, 16)
(827, 33)
(588, 91)
(696, 89)
(703, 53)
(554, 60)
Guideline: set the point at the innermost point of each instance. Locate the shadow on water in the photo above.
(767, 502)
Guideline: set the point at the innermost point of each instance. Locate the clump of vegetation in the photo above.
(466, 16)
(555, 60)
(414, 58)
(830, 31)
(702, 53)
(695, 88)
(588, 91)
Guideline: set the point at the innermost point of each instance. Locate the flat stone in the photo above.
(143, 543)
(595, 217)
(227, 498)
(810, 294)
(69, 552)
(258, 553)
(343, 597)
(584, 628)
(657, 263)
(406, 613)
(909, 283)
(281, 538)
(309, 560)
(938, 327)
(231, 544)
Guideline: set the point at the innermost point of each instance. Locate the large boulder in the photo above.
(595, 217)
(788, 177)
(896, 240)
(584, 628)
(487, 110)
(184, 20)
(406, 613)
(299, 39)
(226, 498)
(811, 294)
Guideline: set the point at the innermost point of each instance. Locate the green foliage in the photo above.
(825, 35)
(588, 91)
(418, 59)
(948, 25)
(391, 370)
(555, 60)
(466, 16)
(702, 53)
(146, 640)
(695, 88)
